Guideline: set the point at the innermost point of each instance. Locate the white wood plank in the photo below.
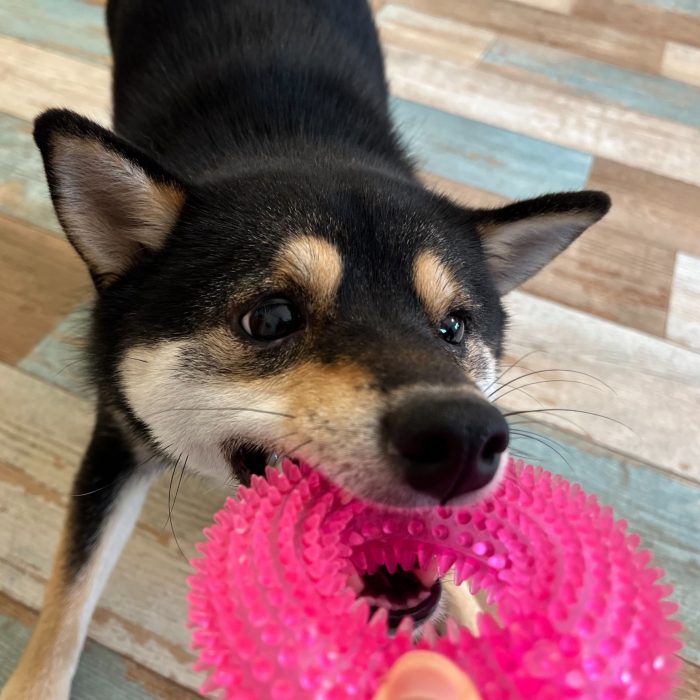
(437, 36)
(683, 322)
(34, 79)
(656, 383)
(554, 115)
(681, 62)
(43, 431)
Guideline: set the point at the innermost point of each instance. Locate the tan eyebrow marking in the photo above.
(436, 286)
(313, 263)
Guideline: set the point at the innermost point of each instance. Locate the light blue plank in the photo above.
(662, 509)
(75, 27)
(101, 673)
(23, 190)
(59, 357)
(688, 7)
(487, 157)
(651, 94)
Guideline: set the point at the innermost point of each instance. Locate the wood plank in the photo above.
(142, 612)
(592, 39)
(562, 6)
(652, 208)
(487, 157)
(684, 309)
(41, 279)
(690, 683)
(689, 7)
(681, 62)
(437, 36)
(101, 673)
(23, 191)
(59, 357)
(484, 95)
(611, 276)
(34, 79)
(651, 94)
(654, 381)
(642, 19)
(74, 27)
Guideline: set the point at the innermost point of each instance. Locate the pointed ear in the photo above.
(521, 238)
(114, 203)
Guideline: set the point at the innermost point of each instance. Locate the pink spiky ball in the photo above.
(582, 612)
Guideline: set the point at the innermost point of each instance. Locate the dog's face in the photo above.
(345, 318)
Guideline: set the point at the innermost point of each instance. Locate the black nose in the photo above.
(446, 447)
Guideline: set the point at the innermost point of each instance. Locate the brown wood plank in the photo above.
(690, 683)
(681, 62)
(41, 280)
(586, 37)
(612, 276)
(643, 19)
(650, 207)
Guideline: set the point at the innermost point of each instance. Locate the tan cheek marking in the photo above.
(312, 263)
(436, 286)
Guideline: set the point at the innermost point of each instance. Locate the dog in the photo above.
(273, 280)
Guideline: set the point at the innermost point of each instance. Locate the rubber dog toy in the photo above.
(582, 613)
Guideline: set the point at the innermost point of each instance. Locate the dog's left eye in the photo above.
(452, 329)
(272, 319)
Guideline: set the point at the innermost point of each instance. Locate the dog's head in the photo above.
(344, 316)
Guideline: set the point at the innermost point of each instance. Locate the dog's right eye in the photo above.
(272, 319)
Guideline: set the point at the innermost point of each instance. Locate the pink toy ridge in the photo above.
(582, 612)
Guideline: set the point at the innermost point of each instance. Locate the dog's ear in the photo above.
(521, 238)
(114, 204)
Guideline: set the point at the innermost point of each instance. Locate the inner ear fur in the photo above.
(521, 238)
(113, 202)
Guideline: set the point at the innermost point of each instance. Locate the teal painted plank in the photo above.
(75, 27)
(101, 673)
(23, 190)
(662, 509)
(487, 157)
(687, 7)
(651, 94)
(59, 357)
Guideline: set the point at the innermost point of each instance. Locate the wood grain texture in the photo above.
(635, 90)
(35, 79)
(562, 6)
(654, 382)
(101, 673)
(437, 36)
(572, 121)
(611, 276)
(143, 611)
(690, 688)
(684, 310)
(42, 279)
(23, 191)
(592, 39)
(644, 19)
(487, 157)
(681, 62)
(74, 27)
(655, 209)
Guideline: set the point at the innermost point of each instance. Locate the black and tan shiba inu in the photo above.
(272, 279)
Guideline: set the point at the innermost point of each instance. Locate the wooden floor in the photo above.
(498, 99)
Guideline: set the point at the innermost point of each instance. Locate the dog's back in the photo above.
(199, 82)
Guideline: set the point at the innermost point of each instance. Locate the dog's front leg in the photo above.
(108, 493)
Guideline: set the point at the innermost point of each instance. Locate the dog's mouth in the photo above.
(415, 593)
(248, 459)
